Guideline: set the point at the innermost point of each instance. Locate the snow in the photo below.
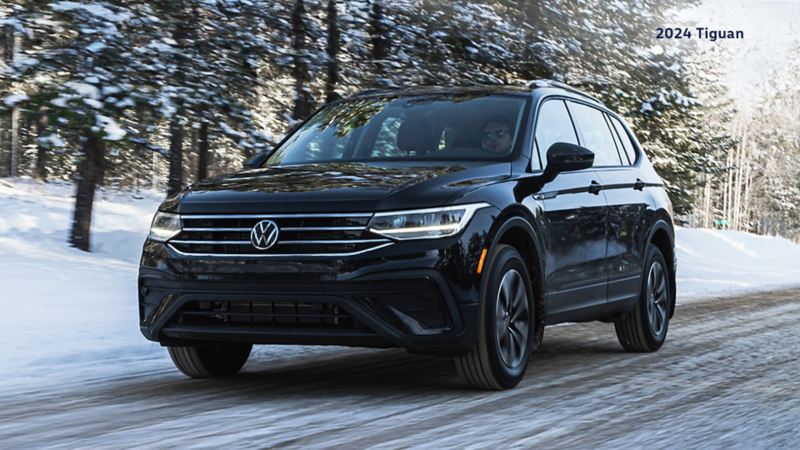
(96, 47)
(111, 129)
(13, 99)
(65, 308)
(69, 315)
(52, 140)
(92, 8)
(23, 62)
(93, 103)
(717, 263)
(85, 90)
(228, 131)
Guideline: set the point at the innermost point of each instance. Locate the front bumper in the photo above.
(418, 295)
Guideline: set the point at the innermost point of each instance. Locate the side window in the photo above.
(553, 125)
(595, 134)
(626, 140)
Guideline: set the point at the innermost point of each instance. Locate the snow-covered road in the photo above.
(727, 378)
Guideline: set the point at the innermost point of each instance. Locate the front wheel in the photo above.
(645, 328)
(216, 360)
(505, 339)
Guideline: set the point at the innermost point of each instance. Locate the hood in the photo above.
(346, 187)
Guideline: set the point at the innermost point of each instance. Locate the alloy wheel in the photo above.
(657, 302)
(512, 319)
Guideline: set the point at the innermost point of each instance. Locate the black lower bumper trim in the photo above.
(259, 335)
(373, 303)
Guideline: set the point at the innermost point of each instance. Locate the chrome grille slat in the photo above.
(323, 228)
(340, 241)
(188, 242)
(302, 235)
(241, 230)
(306, 242)
(276, 255)
(273, 216)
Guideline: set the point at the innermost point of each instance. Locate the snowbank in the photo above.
(715, 263)
(63, 308)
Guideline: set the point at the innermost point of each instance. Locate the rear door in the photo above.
(627, 200)
(573, 213)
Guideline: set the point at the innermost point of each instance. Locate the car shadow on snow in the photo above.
(377, 373)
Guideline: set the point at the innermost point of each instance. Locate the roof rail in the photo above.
(557, 84)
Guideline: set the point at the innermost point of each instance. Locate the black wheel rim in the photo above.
(512, 319)
(657, 302)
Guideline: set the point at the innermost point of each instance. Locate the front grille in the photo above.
(280, 314)
(299, 235)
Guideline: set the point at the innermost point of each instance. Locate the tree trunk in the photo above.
(531, 66)
(93, 154)
(333, 53)
(202, 152)
(380, 41)
(303, 102)
(40, 170)
(3, 140)
(8, 44)
(191, 157)
(10, 125)
(101, 172)
(13, 160)
(175, 158)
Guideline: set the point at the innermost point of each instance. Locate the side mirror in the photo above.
(255, 161)
(564, 157)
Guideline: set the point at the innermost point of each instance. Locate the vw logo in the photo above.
(264, 235)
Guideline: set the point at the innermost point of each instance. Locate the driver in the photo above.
(496, 137)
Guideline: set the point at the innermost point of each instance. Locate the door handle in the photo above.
(639, 185)
(595, 187)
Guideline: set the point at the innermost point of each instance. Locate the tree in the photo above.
(10, 48)
(144, 76)
(333, 52)
(304, 100)
(81, 75)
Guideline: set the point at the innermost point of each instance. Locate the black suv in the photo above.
(449, 221)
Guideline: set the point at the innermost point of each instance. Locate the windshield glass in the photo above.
(449, 127)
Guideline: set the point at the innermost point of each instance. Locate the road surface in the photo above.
(728, 377)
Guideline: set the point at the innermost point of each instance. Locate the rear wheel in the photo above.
(505, 339)
(217, 360)
(645, 328)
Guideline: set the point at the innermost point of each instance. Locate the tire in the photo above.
(645, 328)
(210, 361)
(506, 327)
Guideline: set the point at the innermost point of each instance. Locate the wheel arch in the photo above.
(662, 235)
(515, 227)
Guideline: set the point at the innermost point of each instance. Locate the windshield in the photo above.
(449, 127)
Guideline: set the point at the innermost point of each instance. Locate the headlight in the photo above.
(165, 226)
(424, 223)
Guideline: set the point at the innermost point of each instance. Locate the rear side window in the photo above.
(622, 154)
(626, 140)
(595, 134)
(553, 125)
